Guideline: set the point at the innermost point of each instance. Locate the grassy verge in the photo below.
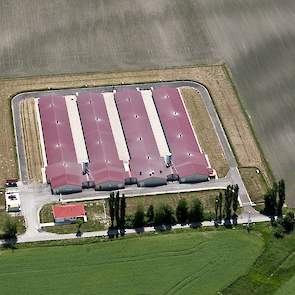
(272, 269)
(46, 214)
(20, 222)
(206, 197)
(72, 228)
(254, 182)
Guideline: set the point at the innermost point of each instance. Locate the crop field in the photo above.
(255, 38)
(182, 263)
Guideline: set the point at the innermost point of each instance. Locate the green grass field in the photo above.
(190, 262)
(272, 272)
(288, 288)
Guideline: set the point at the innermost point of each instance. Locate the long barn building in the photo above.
(146, 165)
(105, 167)
(189, 162)
(63, 172)
(82, 151)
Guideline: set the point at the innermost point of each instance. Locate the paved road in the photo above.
(45, 236)
(33, 197)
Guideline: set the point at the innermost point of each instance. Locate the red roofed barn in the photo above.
(68, 213)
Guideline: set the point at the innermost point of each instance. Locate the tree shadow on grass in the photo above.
(139, 230)
(196, 224)
(227, 223)
(162, 227)
(9, 242)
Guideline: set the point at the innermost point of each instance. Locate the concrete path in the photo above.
(33, 198)
(116, 126)
(76, 128)
(154, 119)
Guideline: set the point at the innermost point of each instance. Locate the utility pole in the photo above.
(249, 221)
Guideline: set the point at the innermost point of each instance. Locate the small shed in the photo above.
(68, 213)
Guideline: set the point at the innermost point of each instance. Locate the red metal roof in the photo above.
(59, 145)
(187, 156)
(56, 129)
(145, 160)
(61, 174)
(67, 211)
(105, 164)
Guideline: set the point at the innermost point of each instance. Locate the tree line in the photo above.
(9, 234)
(274, 201)
(226, 206)
(164, 215)
(117, 211)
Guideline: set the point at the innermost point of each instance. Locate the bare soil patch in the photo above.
(204, 129)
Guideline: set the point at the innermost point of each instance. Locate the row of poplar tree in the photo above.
(274, 200)
(117, 210)
(226, 205)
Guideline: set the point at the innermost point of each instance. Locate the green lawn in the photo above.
(72, 228)
(288, 288)
(288, 268)
(189, 262)
(273, 271)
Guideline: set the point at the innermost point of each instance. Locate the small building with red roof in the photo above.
(68, 213)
